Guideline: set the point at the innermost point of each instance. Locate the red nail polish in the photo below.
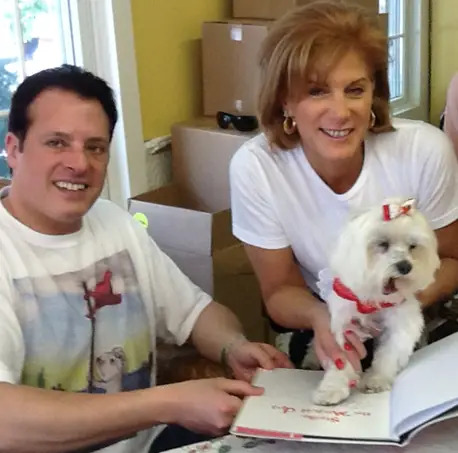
(339, 364)
(352, 384)
(348, 332)
(348, 347)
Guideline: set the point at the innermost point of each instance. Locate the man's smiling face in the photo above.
(59, 169)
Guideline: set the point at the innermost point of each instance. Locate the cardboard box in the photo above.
(273, 9)
(201, 243)
(230, 65)
(230, 71)
(201, 154)
(176, 221)
(236, 286)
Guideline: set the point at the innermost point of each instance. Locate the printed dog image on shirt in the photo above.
(383, 257)
(109, 368)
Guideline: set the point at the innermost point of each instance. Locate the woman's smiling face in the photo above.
(333, 117)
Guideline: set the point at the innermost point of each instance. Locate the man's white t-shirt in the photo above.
(279, 201)
(101, 295)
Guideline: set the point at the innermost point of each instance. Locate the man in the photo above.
(84, 292)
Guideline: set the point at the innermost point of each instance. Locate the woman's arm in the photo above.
(446, 282)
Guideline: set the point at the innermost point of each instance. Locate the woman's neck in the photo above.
(338, 175)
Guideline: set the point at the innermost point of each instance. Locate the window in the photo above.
(396, 45)
(408, 51)
(34, 36)
(95, 34)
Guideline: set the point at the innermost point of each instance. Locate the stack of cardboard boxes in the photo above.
(190, 219)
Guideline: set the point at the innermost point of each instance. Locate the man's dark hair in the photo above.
(66, 77)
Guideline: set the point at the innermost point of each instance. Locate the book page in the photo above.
(286, 410)
(427, 387)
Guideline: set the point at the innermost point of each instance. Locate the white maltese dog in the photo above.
(382, 259)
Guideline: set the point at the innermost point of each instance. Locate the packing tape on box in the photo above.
(236, 33)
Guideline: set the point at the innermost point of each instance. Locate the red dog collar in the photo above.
(366, 307)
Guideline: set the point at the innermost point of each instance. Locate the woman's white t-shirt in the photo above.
(279, 201)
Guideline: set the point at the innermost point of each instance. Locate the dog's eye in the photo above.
(412, 247)
(383, 245)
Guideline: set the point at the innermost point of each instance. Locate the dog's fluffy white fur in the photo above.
(379, 260)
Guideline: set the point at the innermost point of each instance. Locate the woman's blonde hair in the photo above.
(312, 39)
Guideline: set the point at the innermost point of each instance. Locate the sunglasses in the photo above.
(243, 123)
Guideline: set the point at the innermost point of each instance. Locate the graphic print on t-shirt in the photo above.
(86, 330)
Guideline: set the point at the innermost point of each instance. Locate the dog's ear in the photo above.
(349, 258)
(118, 352)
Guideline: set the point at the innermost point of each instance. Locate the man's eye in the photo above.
(97, 149)
(56, 143)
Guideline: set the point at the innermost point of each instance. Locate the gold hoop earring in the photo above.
(373, 119)
(289, 125)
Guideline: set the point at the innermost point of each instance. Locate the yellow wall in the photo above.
(167, 43)
(444, 51)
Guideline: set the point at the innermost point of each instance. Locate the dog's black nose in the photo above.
(404, 267)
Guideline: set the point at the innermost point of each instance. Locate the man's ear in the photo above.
(13, 147)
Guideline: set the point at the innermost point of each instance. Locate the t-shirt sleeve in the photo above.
(255, 220)
(437, 180)
(178, 302)
(11, 340)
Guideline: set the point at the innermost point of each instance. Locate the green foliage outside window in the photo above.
(29, 11)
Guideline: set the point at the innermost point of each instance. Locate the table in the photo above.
(439, 438)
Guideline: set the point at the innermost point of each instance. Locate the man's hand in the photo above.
(207, 405)
(245, 357)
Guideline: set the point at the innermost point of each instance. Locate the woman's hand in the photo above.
(326, 347)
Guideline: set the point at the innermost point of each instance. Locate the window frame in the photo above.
(107, 48)
(414, 104)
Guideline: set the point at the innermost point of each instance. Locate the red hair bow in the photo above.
(392, 210)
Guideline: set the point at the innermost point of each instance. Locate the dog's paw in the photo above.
(375, 383)
(330, 395)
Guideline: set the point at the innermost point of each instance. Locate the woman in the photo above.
(328, 146)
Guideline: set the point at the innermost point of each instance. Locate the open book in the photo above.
(423, 393)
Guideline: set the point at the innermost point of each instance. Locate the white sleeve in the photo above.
(11, 339)
(254, 218)
(436, 177)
